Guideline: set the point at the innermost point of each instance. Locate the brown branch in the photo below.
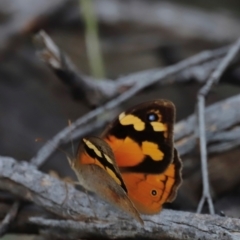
(26, 182)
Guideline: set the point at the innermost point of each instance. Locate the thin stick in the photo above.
(214, 78)
(9, 218)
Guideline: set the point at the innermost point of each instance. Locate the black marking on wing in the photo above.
(105, 163)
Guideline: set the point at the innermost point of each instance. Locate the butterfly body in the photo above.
(136, 154)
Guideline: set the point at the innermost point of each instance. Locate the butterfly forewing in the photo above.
(94, 150)
(142, 137)
(96, 169)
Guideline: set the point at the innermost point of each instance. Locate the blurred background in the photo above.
(133, 35)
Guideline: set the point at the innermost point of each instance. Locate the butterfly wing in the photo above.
(95, 151)
(96, 169)
(142, 141)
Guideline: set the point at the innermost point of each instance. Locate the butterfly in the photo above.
(134, 164)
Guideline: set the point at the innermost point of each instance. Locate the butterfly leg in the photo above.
(206, 196)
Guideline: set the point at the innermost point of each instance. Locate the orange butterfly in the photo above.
(134, 164)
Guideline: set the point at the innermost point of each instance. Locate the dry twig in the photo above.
(201, 122)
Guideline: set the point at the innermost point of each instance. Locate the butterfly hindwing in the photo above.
(150, 191)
